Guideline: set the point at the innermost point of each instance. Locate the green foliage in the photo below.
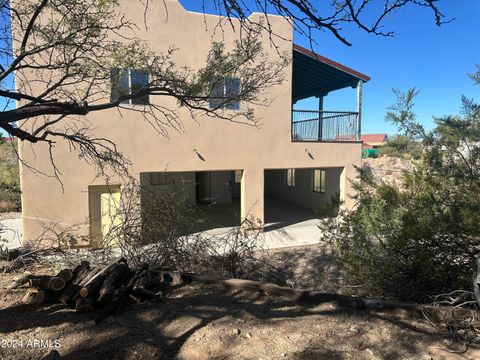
(9, 178)
(331, 208)
(401, 146)
(420, 241)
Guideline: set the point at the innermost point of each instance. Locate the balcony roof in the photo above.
(315, 75)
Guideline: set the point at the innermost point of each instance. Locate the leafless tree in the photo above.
(69, 48)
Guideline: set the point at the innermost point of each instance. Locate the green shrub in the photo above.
(420, 241)
(10, 194)
(401, 146)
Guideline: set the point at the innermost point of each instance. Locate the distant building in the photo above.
(373, 141)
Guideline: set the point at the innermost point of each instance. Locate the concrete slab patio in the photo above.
(286, 224)
(11, 230)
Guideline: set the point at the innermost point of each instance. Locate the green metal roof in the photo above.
(316, 75)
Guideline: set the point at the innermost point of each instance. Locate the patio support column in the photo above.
(251, 198)
(359, 109)
(320, 117)
(346, 187)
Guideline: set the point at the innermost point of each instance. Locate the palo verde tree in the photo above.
(419, 241)
(71, 46)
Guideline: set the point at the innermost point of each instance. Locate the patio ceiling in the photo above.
(316, 75)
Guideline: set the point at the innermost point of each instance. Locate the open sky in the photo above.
(433, 59)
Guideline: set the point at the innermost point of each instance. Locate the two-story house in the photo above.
(298, 157)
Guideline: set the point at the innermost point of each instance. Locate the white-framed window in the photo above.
(220, 93)
(290, 177)
(319, 177)
(161, 178)
(126, 82)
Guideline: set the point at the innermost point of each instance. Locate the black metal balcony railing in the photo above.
(324, 125)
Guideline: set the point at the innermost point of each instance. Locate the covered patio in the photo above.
(316, 76)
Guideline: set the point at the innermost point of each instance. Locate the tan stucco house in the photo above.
(296, 157)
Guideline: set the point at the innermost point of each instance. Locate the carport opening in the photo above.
(215, 194)
(298, 195)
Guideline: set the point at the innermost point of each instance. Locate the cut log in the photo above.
(45, 282)
(90, 287)
(34, 297)
(80, 273)
(41, 297)
(66, 274)
(93, 287)
(122, 295)
(83, 305)
(82, 283)
(117, 275)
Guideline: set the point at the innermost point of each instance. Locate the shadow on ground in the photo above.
(198, 322)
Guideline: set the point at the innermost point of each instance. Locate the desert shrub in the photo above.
(10, 194)
(10, 197)
(419, 241)
(162, 229)
(329, 209)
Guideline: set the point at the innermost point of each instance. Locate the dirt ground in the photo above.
(208, 322)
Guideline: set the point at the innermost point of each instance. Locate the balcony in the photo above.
(315, 76)
(324, 125)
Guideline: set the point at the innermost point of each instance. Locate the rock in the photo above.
(283, 354)
(248, 335)
(236, 331)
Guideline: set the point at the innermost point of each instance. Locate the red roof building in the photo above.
(373, 141)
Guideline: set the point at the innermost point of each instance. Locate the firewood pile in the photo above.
(89, 289)
(106, 289)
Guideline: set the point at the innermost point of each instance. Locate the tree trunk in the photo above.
(45, 282)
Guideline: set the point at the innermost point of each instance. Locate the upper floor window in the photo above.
(227, 89)
(319, 177)
(291, 177)
(129, 81)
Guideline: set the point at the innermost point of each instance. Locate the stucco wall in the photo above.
(202, 144)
